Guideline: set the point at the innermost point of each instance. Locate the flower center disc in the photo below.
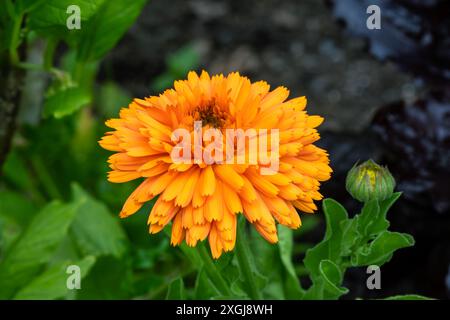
(210, 115)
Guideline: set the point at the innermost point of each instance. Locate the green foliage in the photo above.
(82, 233)
(51, 284)
(285, 245)
(361, 241)
(109, 278)
(267, 271)
(15, 213)
(14, 170)
(176, 290)
(33, 249)
(380, 250)
(106, 27)
(65, 102)
(95, 230)
(182, 61)
(102, 25)
(49, 19)
(323, 260)
(15, 206)
(178, 65)
(111, 98)
(204, 288)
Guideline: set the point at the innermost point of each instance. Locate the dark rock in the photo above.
(417, 148)
(414, 34)
(292, 43)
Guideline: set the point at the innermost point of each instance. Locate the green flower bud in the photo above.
(370, 181)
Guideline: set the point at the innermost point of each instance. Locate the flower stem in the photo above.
(52, 43)
(213, 273)
(244, 255)
(15, 39)
(45, 178)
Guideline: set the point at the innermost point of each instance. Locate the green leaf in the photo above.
(111, 98)
(331, 272)
(50, 19)
(204, 288)
(324, 259)
(107, 26)
(285, 243)
(9, 232)
(190, 252)
(182, 61)
(95, 230)
(163, 82)
(329, 247)
(52, 283)
(310, 224)
(30, 5)
(35, 247)
(369, 214)
(350, 236)
(332, 277)
(16, 207)
(67, 251)
(145, 258)
(408, 297)
(7, 19)
(110, 278)
(253, 281)
(387, 204)
(16, 172)
(149, 284)
(313, 258)
(176, 290)
(178, 64)
(237, 288)
(328, 284)
(66, 101)
(380, 250)
(269, 264)
(381, 224)
(15, 213)
(335, 213)
(9, 12)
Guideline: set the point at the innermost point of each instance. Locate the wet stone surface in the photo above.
(292, 43)
(416, 146)
(414, 34)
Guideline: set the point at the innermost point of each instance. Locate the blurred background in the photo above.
(385, 95)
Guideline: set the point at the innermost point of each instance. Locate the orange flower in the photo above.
(201, 199)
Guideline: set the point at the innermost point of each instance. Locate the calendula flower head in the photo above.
(178, 144)
(370, 181)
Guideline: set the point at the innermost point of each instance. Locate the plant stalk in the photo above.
(244, 255)
(212, 272)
